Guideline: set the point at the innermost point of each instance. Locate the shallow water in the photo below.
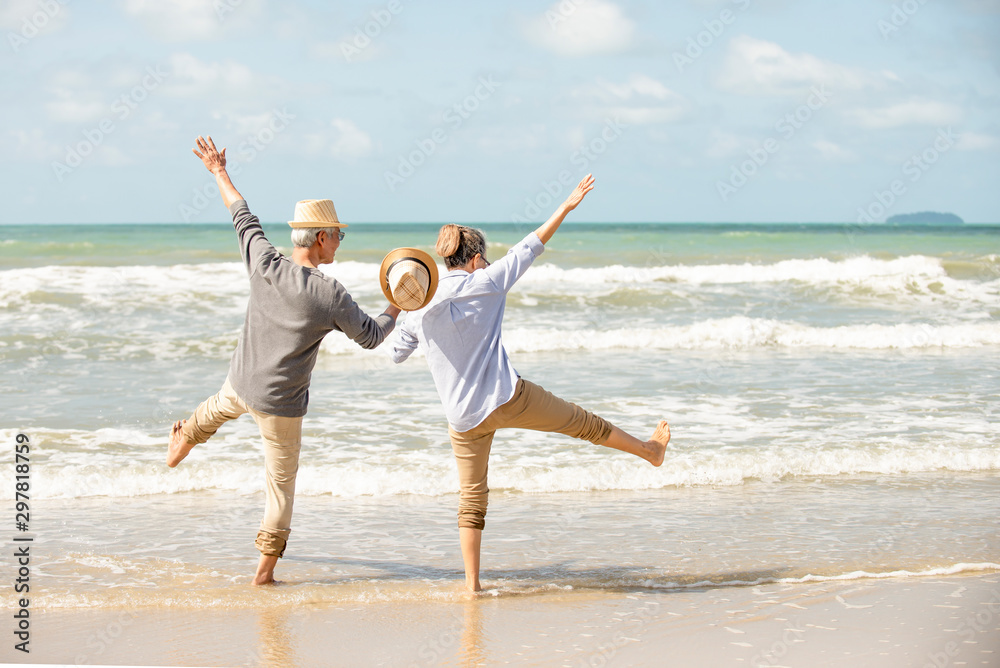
(192, 550)
(832, 395)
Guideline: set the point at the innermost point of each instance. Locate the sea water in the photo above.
(832, 392)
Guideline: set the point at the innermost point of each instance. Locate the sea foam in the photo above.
(79, 464)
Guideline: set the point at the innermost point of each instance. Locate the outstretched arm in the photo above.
(406, 343)
(550, 226)
(215, 162)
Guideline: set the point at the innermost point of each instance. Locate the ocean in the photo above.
(831, 389)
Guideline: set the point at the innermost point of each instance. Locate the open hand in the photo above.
(575, 197)
(214, 160)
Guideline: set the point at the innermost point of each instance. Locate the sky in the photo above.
(420, 111)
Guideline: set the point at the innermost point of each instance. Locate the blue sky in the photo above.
(408, 110)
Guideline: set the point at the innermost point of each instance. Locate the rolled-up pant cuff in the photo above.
(271, 544)
(471, 521)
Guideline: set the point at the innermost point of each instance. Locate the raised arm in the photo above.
(215, 162)
(550, 226)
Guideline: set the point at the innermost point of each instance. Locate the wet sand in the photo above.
(891, 622)
(862, 572)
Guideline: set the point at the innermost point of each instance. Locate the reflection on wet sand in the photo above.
(276, 644)
(473, 649)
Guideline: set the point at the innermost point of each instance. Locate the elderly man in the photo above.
(292, 307)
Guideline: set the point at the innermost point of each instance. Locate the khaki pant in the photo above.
(282, 438)
(531, 407)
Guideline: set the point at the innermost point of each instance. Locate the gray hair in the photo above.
(305, 237)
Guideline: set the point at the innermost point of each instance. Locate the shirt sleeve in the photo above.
(507, 270)
(253, 244)
(364, 330)
(406, 343)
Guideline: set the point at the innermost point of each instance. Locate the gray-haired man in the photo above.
(292, 307)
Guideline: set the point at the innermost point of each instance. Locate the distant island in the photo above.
(924, 218)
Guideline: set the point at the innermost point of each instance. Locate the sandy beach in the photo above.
(891, 622)
(760, 575)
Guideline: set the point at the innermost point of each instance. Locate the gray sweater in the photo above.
(291, 309)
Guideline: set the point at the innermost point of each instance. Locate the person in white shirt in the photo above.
(478, 386)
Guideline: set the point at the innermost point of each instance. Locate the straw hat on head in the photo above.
(409, 278)
(315, 213)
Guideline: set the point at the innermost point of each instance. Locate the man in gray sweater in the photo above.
(292, 307)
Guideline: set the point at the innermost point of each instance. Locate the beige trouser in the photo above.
(282, 437)
(531, 407)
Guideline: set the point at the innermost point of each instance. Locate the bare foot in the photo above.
(470, 594)
(265, 570)
(658, 443)
(179, 446)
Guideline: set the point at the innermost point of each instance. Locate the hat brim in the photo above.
(417, 255)
(299, 224)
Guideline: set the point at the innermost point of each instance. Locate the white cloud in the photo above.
(349, 140)
(35, 146)
(343, 140)
(832, 151)
(726, 145)
(77, 106)
(646, 115)
(30, 145)
(186, 20)
(190, 77)
(582, 28)
(982, 6)
(640, 100)
(346, 51)
(638, 85)
(30, 17)
(520, 140)
(87, 93)
(111, 156)
(973, 141)
(175, 20)
(912, 112)
(756, 67)
(240, 124)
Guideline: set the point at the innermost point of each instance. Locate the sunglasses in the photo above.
(341, 234)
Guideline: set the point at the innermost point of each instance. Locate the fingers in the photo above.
(207, 152)
(208, 146)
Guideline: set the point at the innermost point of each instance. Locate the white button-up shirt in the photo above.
(461, 331)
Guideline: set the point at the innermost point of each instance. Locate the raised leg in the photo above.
(179, 445)
(534, 407)
(652, 450)
(204, 422)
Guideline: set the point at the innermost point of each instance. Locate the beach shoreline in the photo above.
(831, 397)
(761, 574)
(902, 621)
